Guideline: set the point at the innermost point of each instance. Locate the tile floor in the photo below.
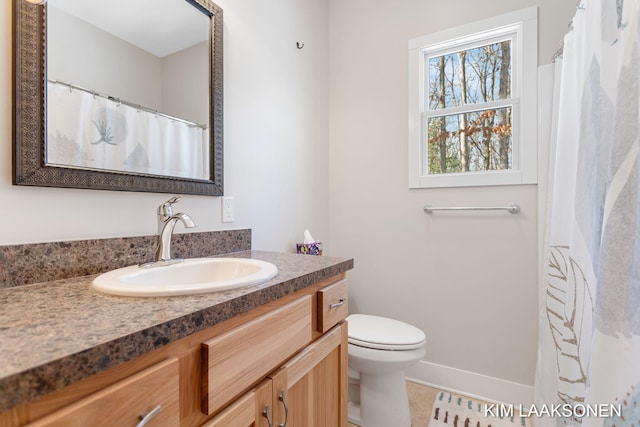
(420, 401)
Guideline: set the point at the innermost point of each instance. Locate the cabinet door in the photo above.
(311, 388)
(254, 409)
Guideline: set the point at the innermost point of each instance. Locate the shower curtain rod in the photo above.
(130, 104)
(558, 54)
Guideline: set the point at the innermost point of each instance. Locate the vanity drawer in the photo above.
(333, 305)
(126, 402)
(235, 360)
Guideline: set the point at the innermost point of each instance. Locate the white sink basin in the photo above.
(192, 276)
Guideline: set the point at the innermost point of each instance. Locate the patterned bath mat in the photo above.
(450, 410)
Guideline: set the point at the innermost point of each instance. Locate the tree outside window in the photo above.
(462, 133)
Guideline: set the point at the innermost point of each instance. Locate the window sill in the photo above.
(471, 179)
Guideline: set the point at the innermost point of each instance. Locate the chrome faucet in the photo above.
(166, 223)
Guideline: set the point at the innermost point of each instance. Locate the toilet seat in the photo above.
(380, 333)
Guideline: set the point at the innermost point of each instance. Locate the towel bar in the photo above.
(513, 208)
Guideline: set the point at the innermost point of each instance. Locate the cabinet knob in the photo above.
(340, 302)
(144, 419)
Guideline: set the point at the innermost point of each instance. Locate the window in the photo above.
(472, 104)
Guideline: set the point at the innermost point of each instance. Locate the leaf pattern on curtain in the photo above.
(568, 296)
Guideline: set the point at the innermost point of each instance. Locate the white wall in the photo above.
(468, 280)
(184, 74)
(276, 141)
(102, 62)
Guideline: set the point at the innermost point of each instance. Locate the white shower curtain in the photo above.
(94, 132)
(589, 329)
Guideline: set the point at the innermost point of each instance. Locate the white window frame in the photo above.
(521, 27)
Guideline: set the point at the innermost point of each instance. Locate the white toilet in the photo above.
(380, 350)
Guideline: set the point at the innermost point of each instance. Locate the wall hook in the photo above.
(299, 46)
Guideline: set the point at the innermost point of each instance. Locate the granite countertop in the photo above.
(55, 333)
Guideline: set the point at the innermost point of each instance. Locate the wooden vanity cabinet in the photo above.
(285, 361)
(308, 390)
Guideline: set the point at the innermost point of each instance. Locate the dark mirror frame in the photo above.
(30, 112)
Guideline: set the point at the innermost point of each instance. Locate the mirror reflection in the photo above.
(128, 87)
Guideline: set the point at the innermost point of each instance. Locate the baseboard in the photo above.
(477, 386)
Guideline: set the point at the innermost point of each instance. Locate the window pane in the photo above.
(476, 141)
(470, 76)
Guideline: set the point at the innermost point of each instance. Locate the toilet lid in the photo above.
(383, 334)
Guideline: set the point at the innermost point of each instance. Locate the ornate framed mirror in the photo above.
(102, 104)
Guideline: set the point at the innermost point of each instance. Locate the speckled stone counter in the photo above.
(53, 334)
(41, 262)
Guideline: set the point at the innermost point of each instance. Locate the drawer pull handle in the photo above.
(144, 419)
(340, 302)
(265, 413)
(286, 409)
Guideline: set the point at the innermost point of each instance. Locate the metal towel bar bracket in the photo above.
(513, 208)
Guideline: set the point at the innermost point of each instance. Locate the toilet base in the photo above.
(383, 401)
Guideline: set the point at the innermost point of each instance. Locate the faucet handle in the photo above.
(164, 210)
(173, 200)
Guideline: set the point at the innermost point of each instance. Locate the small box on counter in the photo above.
(314, 248)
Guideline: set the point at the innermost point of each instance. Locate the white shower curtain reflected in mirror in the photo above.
(589, 335)
(94, 132)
